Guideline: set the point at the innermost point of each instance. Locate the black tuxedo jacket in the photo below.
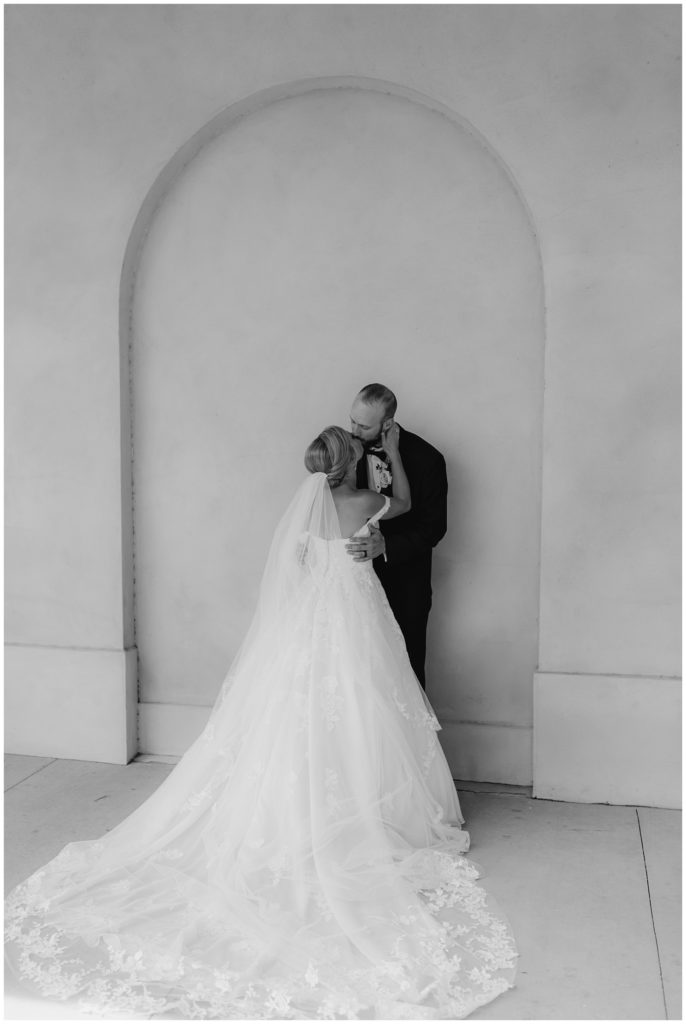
(410, 538)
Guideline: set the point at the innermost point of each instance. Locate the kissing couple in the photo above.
(305, 859)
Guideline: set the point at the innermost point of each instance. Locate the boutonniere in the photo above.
(385, 477)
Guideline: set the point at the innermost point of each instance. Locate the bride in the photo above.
(305, 857)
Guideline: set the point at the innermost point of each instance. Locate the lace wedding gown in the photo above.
(305, 857)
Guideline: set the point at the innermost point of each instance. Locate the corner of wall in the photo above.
(75, 703)
(607, 739)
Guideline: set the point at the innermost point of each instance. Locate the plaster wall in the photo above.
(580, 102)
(328, 238)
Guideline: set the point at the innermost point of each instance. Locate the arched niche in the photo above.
(310, 239)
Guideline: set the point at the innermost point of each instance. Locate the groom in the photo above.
(401, 549)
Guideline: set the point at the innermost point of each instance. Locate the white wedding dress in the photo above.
(305, 857)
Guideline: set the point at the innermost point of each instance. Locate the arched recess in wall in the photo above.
(309, 239)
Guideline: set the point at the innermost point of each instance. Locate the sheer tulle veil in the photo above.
(305, 857)
(311, 513)
(291, 569)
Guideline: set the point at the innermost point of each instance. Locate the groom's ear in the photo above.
(387, 424)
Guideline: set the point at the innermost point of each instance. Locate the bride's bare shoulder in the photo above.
(354, 508)
(370, 501)
(361, 500)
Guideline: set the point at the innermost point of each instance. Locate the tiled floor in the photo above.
(593, 892)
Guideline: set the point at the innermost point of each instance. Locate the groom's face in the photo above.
(367, 420)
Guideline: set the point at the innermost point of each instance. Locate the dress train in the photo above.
(304, 859)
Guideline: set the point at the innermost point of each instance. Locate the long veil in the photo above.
(293, 566)
(304, 859)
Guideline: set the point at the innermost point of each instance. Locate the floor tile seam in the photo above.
(27, 777)
(652, 916)
(492, 792)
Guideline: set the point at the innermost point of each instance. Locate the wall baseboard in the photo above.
(607, 739)
(596, 739)
(170, 728)
(479, 753)
(76, 703)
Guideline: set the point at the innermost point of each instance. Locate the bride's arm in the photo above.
(362, 549)
(401, 501)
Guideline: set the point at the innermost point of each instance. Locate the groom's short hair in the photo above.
(372, 393)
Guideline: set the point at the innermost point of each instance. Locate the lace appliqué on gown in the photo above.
(448, 954)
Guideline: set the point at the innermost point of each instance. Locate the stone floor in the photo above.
(592, 891)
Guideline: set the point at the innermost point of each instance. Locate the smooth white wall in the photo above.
(323, 240)
(582, 104)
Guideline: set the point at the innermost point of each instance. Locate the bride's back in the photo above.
(352, 508)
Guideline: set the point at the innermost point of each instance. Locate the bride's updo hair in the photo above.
(331, 452)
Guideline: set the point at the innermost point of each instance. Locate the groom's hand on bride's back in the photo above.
(363, 548)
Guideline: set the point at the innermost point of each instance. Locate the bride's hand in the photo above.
(390, 439)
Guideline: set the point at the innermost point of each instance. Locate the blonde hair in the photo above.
(331, 452)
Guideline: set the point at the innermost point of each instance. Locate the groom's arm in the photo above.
(427, 522)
